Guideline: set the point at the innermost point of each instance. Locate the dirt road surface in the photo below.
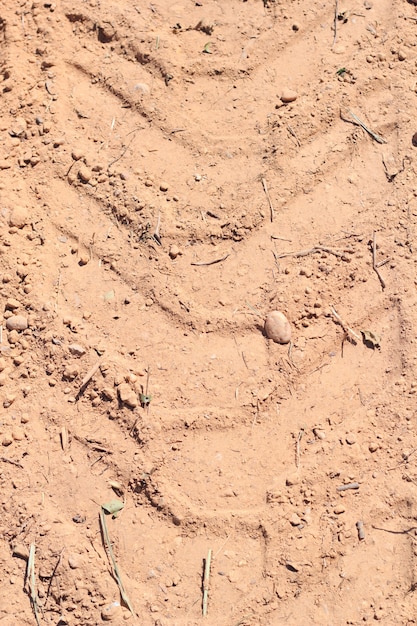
(170, 173)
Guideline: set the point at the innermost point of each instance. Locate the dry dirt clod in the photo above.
(20, 551)
(205, 26)
(83, 260)
(17, 322)
(277, 327)
(70, 372)
(19, 217)
(292, 479)
(12, 304)
(18, 128)
(18, 433)
(127, 396)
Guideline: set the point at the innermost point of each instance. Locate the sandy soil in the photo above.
(171, 172)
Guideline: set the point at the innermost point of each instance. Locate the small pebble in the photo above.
(338, 509)
(361, 532)
(84, 174)
(295, 520)
(110, 612)
(319, 433)
(74, 561)
(76, 349)
(350, 439)
(142, 88)
(17, 322)
(288, 95)
(373, 446)
(77, 154)
(174, 251)
(163, 186)
(83, 260)
(277, 327)
(7, 440)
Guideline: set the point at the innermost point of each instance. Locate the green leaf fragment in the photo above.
(145, 400)
(113, 507)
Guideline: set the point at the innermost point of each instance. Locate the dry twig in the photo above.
(116, 571)
(271, 207)
(6, 460)
(300, 253)
(297, 448)
(343, 324)
(54, 573)
(87, 379)
(292, 132)
(206, 578)
(336, 17)
(156, 234)
(376, 265)
(223, 258)
(359, 122)
(31, 581)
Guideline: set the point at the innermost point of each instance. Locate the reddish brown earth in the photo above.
(117, 117)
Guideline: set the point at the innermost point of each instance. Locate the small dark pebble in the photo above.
(361, 532)
(414, 140)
